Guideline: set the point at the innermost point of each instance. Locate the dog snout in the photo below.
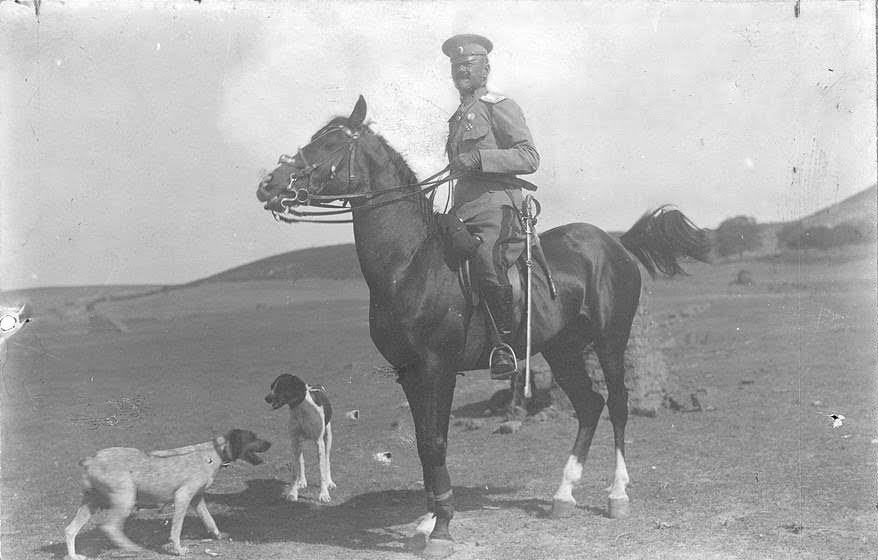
(259, 446)
(274, 401)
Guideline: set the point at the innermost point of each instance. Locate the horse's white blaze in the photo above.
(426, 523)
(620, 478)
(572, 474)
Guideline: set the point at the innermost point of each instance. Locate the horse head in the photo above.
(323, 170)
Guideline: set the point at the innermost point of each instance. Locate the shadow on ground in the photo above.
(500, 404)
(374, 521)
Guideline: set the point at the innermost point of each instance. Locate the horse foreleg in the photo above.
(569, 370)
(430, 392)
(426, 523)
(612, 361)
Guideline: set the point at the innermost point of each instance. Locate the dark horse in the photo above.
(421, 322)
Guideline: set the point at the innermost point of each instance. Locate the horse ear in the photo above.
(359, 115)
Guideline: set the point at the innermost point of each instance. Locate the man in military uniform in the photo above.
(488, 141)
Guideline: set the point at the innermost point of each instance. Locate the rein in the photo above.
(305, 196)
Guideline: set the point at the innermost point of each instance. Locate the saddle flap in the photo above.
(458, 240)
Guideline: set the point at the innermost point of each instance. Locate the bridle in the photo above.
(310, 194)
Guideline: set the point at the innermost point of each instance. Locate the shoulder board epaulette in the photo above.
(492, 97)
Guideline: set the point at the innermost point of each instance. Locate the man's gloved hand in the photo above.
(466, 162)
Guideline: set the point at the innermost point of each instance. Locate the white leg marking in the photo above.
(297, 469)
(620, 478)
(572, 474)
(324, 471)
(421, 537)
(302, 482)
(329, 481)
(425, 523)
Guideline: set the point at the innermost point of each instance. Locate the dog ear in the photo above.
(297, 389)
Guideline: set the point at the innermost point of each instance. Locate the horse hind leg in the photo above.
(612, 358)
(570, 372)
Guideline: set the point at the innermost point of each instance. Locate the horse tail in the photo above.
(662, 236)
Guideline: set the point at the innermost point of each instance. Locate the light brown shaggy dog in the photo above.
(118, 478)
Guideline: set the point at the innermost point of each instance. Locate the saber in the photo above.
(529, 222)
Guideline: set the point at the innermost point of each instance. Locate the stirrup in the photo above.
(503, 376)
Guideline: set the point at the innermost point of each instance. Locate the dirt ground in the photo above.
(759, 472)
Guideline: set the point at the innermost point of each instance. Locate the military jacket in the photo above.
(495, 126)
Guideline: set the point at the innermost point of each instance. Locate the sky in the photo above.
(133, 134)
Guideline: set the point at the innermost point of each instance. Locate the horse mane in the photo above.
(399, 163)
(396, 160)
(406, 175)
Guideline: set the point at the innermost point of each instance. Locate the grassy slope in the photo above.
(764, 475)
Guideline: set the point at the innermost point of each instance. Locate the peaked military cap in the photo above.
(464, 46)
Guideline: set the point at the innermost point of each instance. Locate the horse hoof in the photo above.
(617, 508)
(563, 508)
(438, 548)
(417, 542)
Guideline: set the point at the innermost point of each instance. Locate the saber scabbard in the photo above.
(529, 223)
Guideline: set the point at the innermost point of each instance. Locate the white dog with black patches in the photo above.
(310, 420)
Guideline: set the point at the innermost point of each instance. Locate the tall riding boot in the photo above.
(499, 301)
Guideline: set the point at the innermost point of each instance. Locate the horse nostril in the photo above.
(263, 193)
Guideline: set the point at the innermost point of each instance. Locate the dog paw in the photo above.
(221, 536)
(301, 483)
(324, 497)
(292, 496)
(176, 549)
(75, 557)
(331, 485)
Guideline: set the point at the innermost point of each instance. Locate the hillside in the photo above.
(339, 262)
(336, 262)
(859, 208)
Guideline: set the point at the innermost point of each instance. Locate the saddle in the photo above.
(461, 246)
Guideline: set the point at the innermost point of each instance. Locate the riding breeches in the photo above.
(493, 217)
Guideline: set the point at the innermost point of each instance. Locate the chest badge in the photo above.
(468, 125)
